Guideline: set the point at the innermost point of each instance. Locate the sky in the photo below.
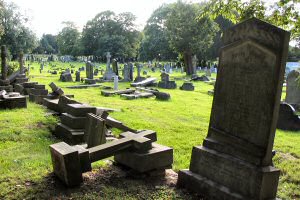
(46, 15)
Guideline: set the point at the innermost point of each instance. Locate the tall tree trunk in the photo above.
(188, 63)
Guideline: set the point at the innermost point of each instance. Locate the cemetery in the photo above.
(115, 125)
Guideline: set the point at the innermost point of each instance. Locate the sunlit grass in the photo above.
(180, 123)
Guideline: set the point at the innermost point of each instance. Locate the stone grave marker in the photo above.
(89, 73)
(187, 86)
(293, 88)
(288, 119)
(116, 79)
(115, 67)
(165, 82)
(126, 73)
(95, 130)
(109, 74)
(235, 161)
(4, 82)
(77, 76)
(134, 150)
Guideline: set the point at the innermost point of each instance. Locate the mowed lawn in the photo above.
(181, 123)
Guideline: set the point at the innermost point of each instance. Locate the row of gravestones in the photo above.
(288, 119)
(235, 161)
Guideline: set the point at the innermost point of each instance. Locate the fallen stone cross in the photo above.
(69, 162)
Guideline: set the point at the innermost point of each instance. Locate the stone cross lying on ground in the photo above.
(69, 162)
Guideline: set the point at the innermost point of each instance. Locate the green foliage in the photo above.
(47, 44)
(181, 123)
(1, 15)
(187, 35)
(68, 40)
(282, 13)
(294, 54)
(108, 32)
(155, 44)
(15, 33)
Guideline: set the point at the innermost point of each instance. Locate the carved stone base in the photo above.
(109, 75)
(220, 176)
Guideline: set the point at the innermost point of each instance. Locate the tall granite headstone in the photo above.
(293, 88)
(126, 73)
(115, 67)
(235, 161)
(89, 73)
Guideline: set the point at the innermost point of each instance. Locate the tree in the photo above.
(187, 35)
(155, 42)
(68, 40)
(108, 32)
(15, 34)
(1, 16)
(47, 44)
(283, 13)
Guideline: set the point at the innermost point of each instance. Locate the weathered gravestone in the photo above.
(126, 73)
(187, 86)
(235, 161)
(139, 78)
(38, 93)
(115, 67)
(77, 76)
(165, 82)
(293, 88)
(4, 82)
(95, 130)
(66, 76)
(89, 73)
(109, 74)
(21, 78)
(288, 119)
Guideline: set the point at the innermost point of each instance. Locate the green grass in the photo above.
(181, 123)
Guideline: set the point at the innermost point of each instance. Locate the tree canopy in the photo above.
(108, 32)
(187, 35)
(282, 13)
(68, 39)
(15, 34)
(155, 43)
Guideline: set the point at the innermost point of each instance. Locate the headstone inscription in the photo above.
(235, 161)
